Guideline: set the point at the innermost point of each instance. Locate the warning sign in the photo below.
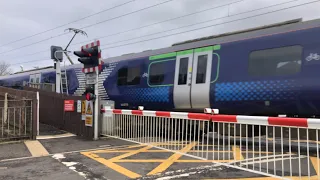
(89, 121)
(89, 113)
(83, 110)
(89, 109)
(68, 105)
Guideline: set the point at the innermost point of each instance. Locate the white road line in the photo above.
(105, 146)
(67, 152)
(269, 160)
(55, 136)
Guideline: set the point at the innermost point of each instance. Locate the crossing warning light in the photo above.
(89, 57)
(89, 93)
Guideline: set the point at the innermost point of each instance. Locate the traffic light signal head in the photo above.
(89, 93)
(90, 96)
(88, 56)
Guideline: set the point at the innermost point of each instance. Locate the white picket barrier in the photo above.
(278, 147)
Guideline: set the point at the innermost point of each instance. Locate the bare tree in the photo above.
(5, 68)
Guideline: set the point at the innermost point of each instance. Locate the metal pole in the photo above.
(96, 107)
(38, 105)
(5, 108)
(58, 72)
(58, 76)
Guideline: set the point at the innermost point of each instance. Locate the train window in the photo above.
(156, 73)
(129, 76)
(183, 71)
(122, 76)
(201, 69)
(276, 61)
(133, 76)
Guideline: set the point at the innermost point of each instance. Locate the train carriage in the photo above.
(263, 71)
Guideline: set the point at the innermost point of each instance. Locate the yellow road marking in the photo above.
(112, 165)
(163, 160)
(168, 162)
(268, 178)
(36, 149)
(113, 149)
(130, 153)
(237, 153)
(314, 162)
(157, 151)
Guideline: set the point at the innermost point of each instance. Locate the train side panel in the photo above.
(269, 75)
(141, 82)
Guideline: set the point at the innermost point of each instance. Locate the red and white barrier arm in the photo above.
(177, 115)
(268, 121)
(237, 119)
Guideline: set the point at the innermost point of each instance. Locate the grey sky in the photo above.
(20, 18)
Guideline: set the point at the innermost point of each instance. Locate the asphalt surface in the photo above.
(75, 143)
(36, 168)
(113, 159)
(45, 129)
(13, 150)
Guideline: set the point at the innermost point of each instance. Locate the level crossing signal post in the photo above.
(90, 57)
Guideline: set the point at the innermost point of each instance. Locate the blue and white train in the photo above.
(263, 71)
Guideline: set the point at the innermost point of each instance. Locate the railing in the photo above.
(15, 119)
(271, 146)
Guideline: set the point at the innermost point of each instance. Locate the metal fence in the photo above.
(15, 119)
(272, 146)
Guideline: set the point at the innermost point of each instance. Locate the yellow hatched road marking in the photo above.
(269, 178)
(314, 162)
(237, 153)
(163, 160)
(157, 151)
(168, 162)
(112, 165)
(130, 153)
(115, 149)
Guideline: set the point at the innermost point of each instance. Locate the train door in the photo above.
(182, 80)
(193, 78)
(201, 77)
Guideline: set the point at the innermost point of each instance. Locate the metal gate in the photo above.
(278, 147)
(16, 119)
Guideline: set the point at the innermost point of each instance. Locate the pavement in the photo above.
(65, 156)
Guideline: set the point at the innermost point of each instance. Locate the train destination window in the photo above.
(183, 71)
(129, 76)
(276, 61)
(156, 73)
(201, 69)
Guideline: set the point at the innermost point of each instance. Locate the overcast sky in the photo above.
(20, 19)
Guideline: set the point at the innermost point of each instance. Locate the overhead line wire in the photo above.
(167, 20)
(68, 23)
(4, 52)
(214, 24)
(211, 25)
(203, 22)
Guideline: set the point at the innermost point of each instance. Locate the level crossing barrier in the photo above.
(277, 147)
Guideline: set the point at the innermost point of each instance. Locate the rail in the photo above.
(277, 147)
